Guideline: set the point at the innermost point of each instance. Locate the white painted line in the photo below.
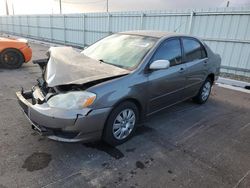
(233, 88)
(241, 179)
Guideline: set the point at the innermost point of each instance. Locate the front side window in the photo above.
(193, 49)
(125, 51)
(169, 50)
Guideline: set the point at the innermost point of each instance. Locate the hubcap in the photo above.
(124, 124)
(206, 91)
(10, 58)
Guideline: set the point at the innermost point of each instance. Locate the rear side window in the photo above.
(169, 50)
(193, 49)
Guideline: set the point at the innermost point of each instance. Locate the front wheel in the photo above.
(121, 123)
(204, 92)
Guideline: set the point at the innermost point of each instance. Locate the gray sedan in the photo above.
(105, 91)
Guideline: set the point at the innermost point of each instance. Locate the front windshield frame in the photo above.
(152, 41)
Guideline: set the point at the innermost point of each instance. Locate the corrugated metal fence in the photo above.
(225, 30)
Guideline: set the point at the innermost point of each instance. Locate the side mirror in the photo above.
(159, 64)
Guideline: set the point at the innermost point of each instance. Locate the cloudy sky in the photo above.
(76, 6)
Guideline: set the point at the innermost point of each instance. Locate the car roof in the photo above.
(149, 33)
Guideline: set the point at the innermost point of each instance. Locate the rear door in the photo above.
(165, 86)
(195, 58)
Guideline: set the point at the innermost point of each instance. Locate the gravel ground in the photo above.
(187, 145)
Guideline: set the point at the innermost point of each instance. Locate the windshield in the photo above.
(125, 51)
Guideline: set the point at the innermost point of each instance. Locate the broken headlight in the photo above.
(72, 100)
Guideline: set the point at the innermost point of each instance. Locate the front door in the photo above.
(166, 86)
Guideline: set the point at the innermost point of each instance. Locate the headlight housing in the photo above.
(72, 100)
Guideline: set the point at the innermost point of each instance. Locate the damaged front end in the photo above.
(59, 105)
(69, 125)
(60, 124)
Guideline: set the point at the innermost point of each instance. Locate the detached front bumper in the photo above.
(63, 125)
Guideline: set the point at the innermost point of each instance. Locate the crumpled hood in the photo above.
(67, 66)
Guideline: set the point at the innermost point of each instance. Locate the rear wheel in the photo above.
(121, 123)
(204, 92)
(11, 58)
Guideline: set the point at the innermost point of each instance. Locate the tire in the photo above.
(119, 129)
(11, 59)
(204, 92)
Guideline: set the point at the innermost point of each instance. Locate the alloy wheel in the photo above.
(206, 91)
(124, 124)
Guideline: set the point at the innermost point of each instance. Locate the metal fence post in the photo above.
(190, 22)
(12, 25)
(28, 24)
(64, 29)
(51, 25)
(83, 18)
(109, 29)
(7, 25)
(38, 28)
(20, 27)
(142, 16)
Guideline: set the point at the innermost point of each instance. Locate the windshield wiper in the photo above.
(102, 61)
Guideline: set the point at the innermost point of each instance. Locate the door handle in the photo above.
(182, 69)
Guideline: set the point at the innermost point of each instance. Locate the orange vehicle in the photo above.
(14, 52)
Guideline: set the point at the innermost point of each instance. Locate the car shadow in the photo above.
(149, 128)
